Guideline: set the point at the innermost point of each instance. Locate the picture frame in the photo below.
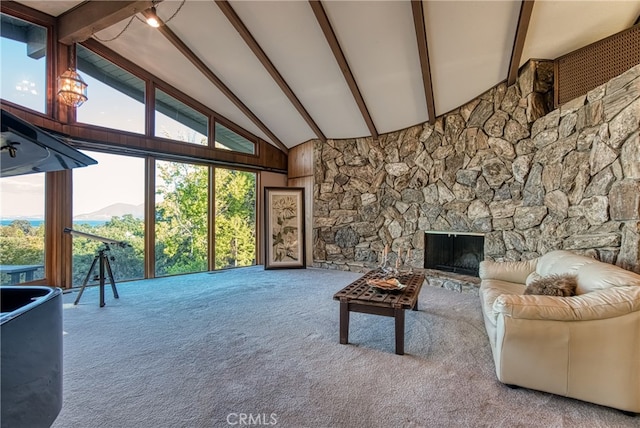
(284, 228)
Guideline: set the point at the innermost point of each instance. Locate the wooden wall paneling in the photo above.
(301, 160)
(307, 184)
(58, 215)
(265, 179)
(300, 174)
(61, 112)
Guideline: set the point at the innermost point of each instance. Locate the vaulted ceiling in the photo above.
(291, 71)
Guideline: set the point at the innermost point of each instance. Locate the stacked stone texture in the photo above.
(532, 180)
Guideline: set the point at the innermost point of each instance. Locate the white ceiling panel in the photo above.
(378, 39)
(470, 47)
(220, 46)
(292, 39)
(52, 7)
(560, 27)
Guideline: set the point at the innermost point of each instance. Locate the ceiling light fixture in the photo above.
(72, 89)
(152, 17)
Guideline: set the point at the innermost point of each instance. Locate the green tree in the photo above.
(181, 218)
(22, 244)
(235, 218)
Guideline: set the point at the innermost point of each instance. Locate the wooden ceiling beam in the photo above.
(417, 8)
(237, 23)
(526, 8)
(80, 23)
(202, 67)
(330, 35)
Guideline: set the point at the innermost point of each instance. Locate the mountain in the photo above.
(113, 210)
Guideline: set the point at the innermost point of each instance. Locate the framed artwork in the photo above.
(284, 227)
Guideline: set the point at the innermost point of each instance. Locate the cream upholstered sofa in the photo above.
(585, 346)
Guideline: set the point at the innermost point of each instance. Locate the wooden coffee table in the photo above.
(360, 297)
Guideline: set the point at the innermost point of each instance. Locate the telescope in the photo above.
(107, 241)
(101, 260)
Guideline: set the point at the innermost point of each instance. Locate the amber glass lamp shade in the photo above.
(72, 90)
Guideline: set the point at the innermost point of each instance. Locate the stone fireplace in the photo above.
(453, 252)
(528, 178)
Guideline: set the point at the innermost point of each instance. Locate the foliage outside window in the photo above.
(182, 204)
(177, 121)
(235, 238)
(116, 97)
(23, 63)
(108, 201)
(226, 139)
(22, 227)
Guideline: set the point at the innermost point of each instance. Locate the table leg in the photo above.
(28, 276)
(399, 316)
(415, 307)
(15, 277)
(344, 322)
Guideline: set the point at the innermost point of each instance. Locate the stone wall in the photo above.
(532, 180)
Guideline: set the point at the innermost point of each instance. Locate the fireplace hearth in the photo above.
(453, 252)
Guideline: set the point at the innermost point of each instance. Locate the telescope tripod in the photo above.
(102, 260)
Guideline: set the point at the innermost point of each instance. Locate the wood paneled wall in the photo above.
(267, 179)
(58, 245)
(301, 160)
(301, 175)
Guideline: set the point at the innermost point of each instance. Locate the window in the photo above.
(23, 48)
(108, 201)
(177, 121)
(22, 228)
(235, 237)
(182, 206)
(116, 97)
(226, 139)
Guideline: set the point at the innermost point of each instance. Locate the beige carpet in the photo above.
(254, 346)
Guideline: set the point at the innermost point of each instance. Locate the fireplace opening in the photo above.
(454, 252)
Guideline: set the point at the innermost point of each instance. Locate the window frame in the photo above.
(128, 70)
(179, 96)
(19, 11)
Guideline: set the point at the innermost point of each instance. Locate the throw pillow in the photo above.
(553, 285)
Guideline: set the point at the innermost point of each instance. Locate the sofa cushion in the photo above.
(560, 261)
(507, 271)
(599, 275)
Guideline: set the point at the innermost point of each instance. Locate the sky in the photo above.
(116, 179)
